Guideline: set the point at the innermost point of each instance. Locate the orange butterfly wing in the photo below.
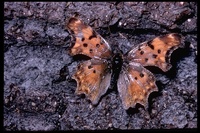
(93, 79)
(92, 76)
(156, 52)
(135, 83)
(87, 41)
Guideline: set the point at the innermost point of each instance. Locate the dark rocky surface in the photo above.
(35, 50)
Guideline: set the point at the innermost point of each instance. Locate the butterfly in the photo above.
(135, 83)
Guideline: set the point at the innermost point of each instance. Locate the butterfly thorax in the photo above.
(116, 62)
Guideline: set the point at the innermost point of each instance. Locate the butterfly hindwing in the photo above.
(135, 83)
(93, 79)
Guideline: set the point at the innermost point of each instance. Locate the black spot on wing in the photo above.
(85, 44)
(141, 75)
(82, 39)
(90, 66)
(154, 56)
(159, 51)
(91, 50)
(141, 52)
(94, 71)
(97, 45)
(93, 35)
(149, 43)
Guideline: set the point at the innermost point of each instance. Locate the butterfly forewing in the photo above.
(156, 52)
(87, 41)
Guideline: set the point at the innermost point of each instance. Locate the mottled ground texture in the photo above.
(35, 50)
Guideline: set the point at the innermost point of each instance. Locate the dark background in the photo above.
(35, 50)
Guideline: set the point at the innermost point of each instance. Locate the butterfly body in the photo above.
(135, 83)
